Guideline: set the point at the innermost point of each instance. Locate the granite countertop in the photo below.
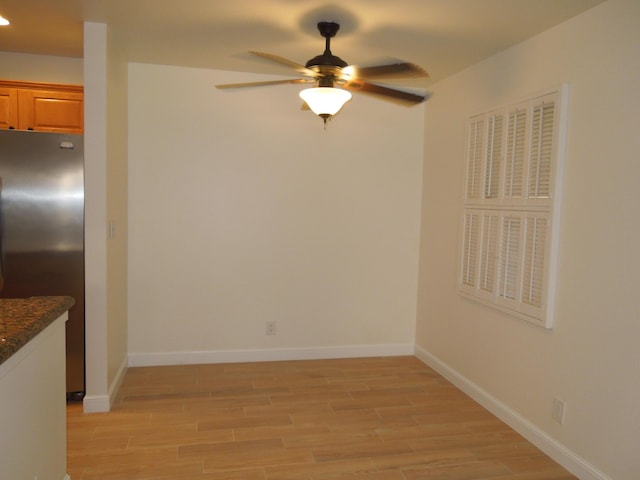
(21, 319)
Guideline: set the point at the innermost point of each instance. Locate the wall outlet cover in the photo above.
(558, 410)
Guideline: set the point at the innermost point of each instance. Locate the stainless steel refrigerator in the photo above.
(42, 222)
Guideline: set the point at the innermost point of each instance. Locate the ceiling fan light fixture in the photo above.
(325, 101)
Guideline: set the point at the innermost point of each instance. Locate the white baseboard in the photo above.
(102, 403)
(266, 355)
(568, 459)
(96, 403)
(117, 380)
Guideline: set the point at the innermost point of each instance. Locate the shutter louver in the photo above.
(509, 257)
(489, 252)
(514, 164)
(494, 155)
(474, 159)
(541, 150)
(534, 259)
(470, 248)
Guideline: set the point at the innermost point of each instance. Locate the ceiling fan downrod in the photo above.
(328, 30)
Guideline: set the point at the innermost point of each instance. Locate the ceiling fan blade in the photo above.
(393, 70)
(263, 84)
(289, 63)
(385, 93)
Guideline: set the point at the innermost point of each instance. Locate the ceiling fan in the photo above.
(335, 78)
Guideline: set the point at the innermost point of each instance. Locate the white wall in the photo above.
(41, 68)
(95, 208)
(105, 199)
(591, 359)
(116, 170)
(243, 210)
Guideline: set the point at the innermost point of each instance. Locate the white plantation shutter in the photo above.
(534, 260)
(470, 254)
(515, 152)
(489, 252)
(474, 158)
(509, 244)
(541, 150)
(509, 258)
(494, 156)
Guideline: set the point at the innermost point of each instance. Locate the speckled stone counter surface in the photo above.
(21, 319)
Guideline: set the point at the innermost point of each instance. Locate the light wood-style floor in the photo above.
(389, 418)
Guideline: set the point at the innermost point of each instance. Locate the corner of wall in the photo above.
(103, 403)
(551, 447)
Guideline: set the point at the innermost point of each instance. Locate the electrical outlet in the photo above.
(271, 327)
(557, 411)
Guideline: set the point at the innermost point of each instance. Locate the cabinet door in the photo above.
(51, 111)
(8, 108)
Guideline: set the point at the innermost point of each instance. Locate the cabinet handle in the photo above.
(11, 127)
(30, 128)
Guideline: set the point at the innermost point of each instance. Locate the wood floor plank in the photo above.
(156, 439)
(385, 418)
(307, 408)
(290, 434)
(244, 422)
(245, 454)
(463, 471)
(423, 458)
(313, 471)
(364, 449)
(537, 463)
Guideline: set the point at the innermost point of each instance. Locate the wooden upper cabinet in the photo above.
(8, 108)
(42, 107)
(50, 111)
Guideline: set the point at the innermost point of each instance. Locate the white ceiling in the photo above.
(443, 36)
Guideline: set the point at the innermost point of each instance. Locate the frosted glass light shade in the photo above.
(325, 101)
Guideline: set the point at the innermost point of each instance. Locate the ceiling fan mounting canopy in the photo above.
(328, 29)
